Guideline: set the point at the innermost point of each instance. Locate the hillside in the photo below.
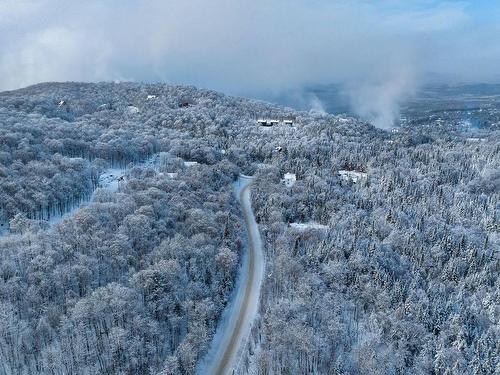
(392, 272)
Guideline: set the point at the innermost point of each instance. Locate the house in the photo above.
(351, 176)
(132, 109)
(290, 179)
(61, 103)
(267, 122)
(151, 97)
(289, 120)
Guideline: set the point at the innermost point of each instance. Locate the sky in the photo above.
(380, 50)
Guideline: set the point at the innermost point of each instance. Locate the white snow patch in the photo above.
(190, 163)
(111, 179)
(132, 109)
(306, 226)
(108, 180)
(263, 165)
(290, 179)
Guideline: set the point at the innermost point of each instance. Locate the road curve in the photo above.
(233, 333)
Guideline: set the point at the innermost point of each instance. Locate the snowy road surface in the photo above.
(237, 319)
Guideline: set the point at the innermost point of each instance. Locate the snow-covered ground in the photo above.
(236, 322)
(306, 226)
(111, 179)
(132, 109)
(108, 180)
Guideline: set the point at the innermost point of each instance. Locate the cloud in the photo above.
(245, 47)
(379, 101)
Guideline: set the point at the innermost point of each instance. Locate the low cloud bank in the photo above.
(379, 52)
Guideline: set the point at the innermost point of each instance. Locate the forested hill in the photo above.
(57, 138)
(382, 257)
(60, 136)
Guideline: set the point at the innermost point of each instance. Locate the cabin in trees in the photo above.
(288, 120)
(185, 103)
(351, 176)
(289, 179)
(267, 122)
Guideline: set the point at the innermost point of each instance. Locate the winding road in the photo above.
(236, 323)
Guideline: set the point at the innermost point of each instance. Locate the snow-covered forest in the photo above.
(396, 272)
